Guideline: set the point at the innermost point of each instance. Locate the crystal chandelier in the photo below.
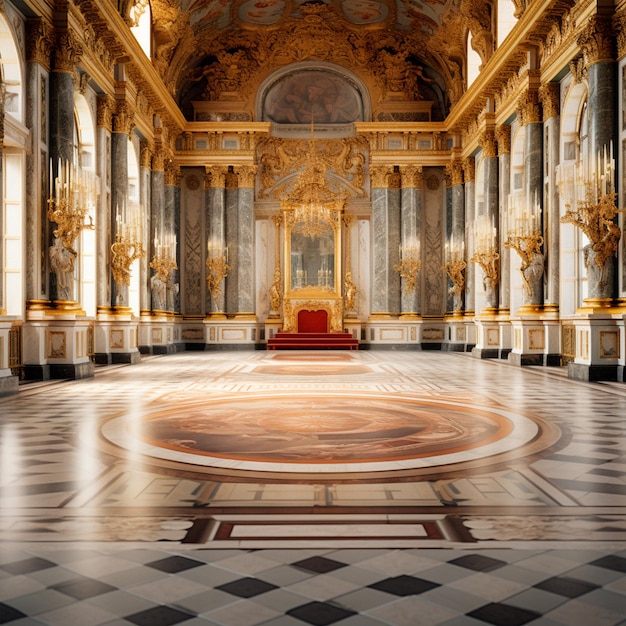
(313, 204)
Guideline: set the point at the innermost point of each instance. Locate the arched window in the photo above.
(506, 19)
(473, 61)
(141, 16)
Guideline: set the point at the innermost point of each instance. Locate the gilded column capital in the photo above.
(145, 154)
(503, 139)
(549, 94)
(408, 175)
(39, 42)
(596, 40)
(231, 181)
(104, 112)
(67, 53)
(529, 108)
(578, 69)
(620, 32)
(379, 175)
(277, 218)
(487, 142)
(172, 174)
(419, 178)
(469, 169)
(454, 169)
(217, 176)
(123, 119)
(158, 159)
(246, 176)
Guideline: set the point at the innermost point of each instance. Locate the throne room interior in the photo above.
(312, 312)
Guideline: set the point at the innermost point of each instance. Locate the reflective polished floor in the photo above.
(286, 488)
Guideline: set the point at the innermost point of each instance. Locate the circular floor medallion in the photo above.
(322, 433)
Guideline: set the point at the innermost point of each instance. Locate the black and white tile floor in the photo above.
(93, 533)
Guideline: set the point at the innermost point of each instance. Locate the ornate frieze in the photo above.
(503, 139)
(39, 42)
(597, 40)
(550, 102)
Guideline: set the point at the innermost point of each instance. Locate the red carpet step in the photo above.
(312, 341)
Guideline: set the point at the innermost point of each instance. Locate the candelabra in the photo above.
(528, 246)
(488, 259)
(455, 268)
(70, 203)
(409, 266)
(218, 268)
(124, 251)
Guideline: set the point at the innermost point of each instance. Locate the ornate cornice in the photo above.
(597, 40)
(503, 139)
(246, 175)
(67, 52)
(123, 119)
(549, 94)
(379, 176)
(487, 142)
(469, 169)
(39, 42)
(217, 175)
(528, 107)
(454, 170)
(104, 113)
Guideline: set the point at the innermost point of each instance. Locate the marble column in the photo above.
(549, 95)
(157, 218)
(455, 244)
(597, 44)
(469, 174)
(67, 53)
(145, 162)
(411, 234)
(37, 171)
(240, 242)
(490, 158)
(122, 121)
(503, 140)
(385, 219)
(216, 233)
(171, 221)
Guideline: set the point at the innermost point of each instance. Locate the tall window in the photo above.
(506, 19)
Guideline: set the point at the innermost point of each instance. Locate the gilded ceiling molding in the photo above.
(170, 26)
(379, 176)
(529, 108)
(145, 154)
(549, 94)
(104, 111)
(503, 139)
(487, 142)
(454, 170)
(172, 174)
(67, 53)
(469, 169)
(246, 176)
(217, 175)
(123, 118)
(39, 42)
(478, 16)
(597, 40)
(408, 175)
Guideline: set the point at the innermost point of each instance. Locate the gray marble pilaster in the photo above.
(602, 132)
(157, 213)
(470, 270)
(504, 161)
(385, 247)
(551, 216)
(491, 210)
(171, 215)
(455, 231)
(216, 232)
(103, 219)
(119, 195)
(144, 193)
(410, 227)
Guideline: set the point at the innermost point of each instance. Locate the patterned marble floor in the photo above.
(314, 488)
